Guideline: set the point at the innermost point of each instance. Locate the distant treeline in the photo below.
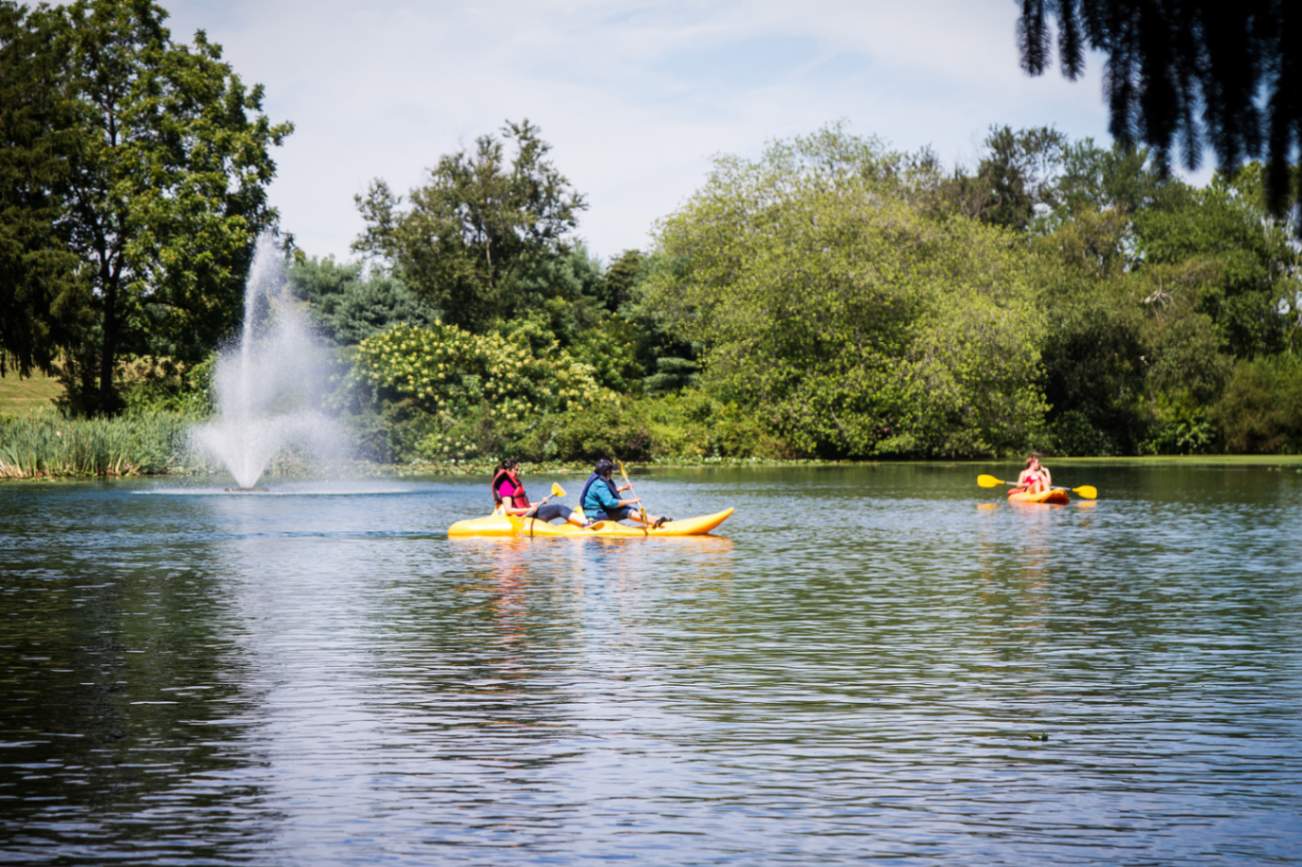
(833, 298)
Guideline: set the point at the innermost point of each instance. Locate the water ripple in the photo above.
(870, 665)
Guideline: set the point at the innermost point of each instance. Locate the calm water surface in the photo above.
(871, 663)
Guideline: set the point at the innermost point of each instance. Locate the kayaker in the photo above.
(508, 493)
(1035, 478)
(601, 501)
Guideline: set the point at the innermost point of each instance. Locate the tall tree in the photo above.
(1188, 72)
(1018, 173)
(38, 273)
(484, 219)
(168, 160)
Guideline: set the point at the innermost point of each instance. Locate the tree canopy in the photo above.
(857, 323)
(39, 275)
(482, 224)
(166, 160)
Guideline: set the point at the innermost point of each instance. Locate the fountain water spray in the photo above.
(269, 387)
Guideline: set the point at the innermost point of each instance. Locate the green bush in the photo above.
(1181, 426)
(586, 433)
(456, 395)
(1074, 433)
(389, 432)
(151, 384)
(692, 425)
(1261, 409)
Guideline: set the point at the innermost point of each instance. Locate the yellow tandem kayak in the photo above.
(498, 524)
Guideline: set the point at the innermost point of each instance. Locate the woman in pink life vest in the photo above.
(509, 494)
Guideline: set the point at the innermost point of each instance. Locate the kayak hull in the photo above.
(498, 524)
(1052, 497)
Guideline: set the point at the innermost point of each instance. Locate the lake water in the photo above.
(866, 664)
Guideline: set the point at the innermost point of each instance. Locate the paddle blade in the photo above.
(1088, 492)
(557, 490)
(989, 481)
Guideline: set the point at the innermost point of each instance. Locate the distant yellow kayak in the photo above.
(498, 524)
(1053, 497)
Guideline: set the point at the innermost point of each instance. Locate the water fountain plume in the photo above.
(269, 387)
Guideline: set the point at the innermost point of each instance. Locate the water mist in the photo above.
(269, 387)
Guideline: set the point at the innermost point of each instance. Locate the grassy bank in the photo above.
(40, 445)
(36, 393)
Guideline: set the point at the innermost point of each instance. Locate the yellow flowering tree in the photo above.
(476, 393)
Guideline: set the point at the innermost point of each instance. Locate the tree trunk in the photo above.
(107, 401)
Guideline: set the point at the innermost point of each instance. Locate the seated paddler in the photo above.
(1035, 478)
(601, 500)
(509, 495)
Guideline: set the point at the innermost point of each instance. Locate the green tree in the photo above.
(349, 304)
(854, 322)
(170, 171)
(484, 221)
(1239, 266)
(1261, 409)
(1017, 174)
(1120, 179)
(39, 277)
(621, 277)
(161, 192)
(1094, 342)
(660, 359)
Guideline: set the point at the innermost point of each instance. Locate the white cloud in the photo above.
(636, 98)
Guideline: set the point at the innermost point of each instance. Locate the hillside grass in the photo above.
(23, 396)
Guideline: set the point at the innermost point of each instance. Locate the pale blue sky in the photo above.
(635, 97)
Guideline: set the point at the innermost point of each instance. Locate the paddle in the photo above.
(532, 514)
(557, 491)
(641, 509)
(1087, 492)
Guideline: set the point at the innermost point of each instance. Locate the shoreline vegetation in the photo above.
(1115, 314)
(832, 298)
(46, 446)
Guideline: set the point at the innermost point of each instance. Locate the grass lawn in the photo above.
(21, 396)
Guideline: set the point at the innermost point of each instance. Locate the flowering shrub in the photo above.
(482, 392)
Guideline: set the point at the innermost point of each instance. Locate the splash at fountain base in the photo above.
(270, 387)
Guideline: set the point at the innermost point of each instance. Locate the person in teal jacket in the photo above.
(601, 501)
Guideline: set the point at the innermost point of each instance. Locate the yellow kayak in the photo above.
(498, 524)
(1053, 496)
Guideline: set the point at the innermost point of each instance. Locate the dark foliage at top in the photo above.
(1189, 73)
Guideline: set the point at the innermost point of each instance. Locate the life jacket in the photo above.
(519, 500)
(1034, 483)
(583, 497)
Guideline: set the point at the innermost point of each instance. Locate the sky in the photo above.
(636, 98)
